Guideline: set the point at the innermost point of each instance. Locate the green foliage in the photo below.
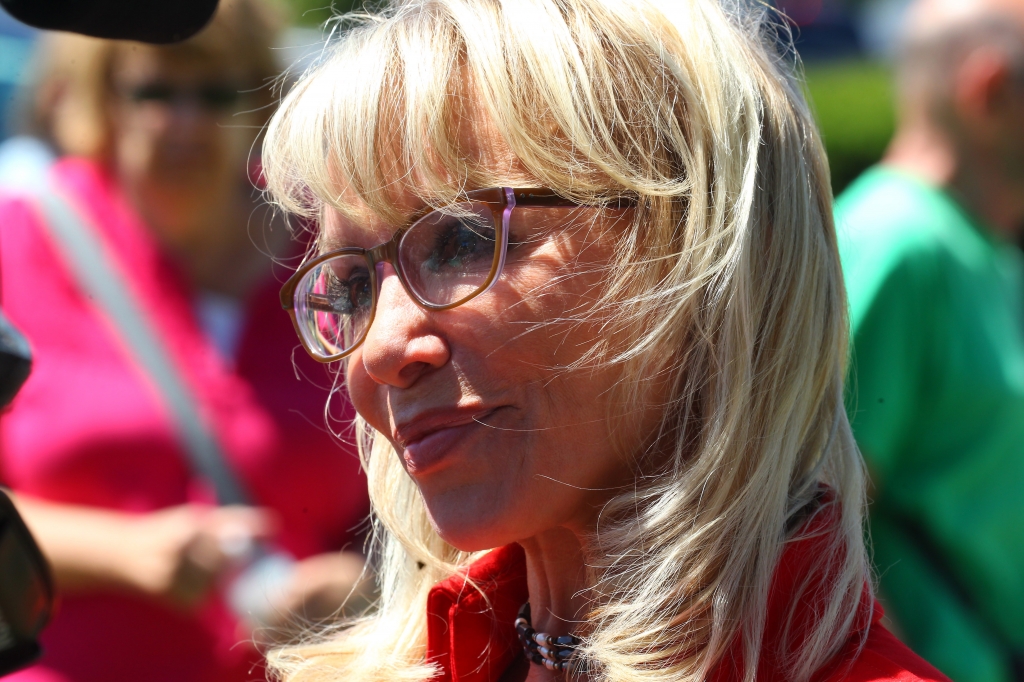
(314, 13)
(853, 102)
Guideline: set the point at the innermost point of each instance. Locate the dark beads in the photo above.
(554, 653)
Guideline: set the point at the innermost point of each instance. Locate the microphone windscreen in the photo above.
(147, 21)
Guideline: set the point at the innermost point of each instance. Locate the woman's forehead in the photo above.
(486, 149)
(488, 158)
(338, 230)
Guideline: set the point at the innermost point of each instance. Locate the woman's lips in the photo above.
(428, 442)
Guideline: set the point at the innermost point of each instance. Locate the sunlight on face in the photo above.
(502, 439)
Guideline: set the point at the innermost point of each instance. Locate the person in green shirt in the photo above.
(936, 290)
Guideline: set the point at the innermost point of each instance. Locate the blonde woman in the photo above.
(577, 259)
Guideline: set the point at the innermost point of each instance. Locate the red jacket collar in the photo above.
(470, 632)
(470, 642)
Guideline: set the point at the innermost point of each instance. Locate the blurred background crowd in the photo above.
(848, 47)
(165, 499)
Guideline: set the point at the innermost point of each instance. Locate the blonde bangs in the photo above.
(382, 115)
(378, 120)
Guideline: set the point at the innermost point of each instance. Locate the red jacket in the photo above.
(472, 643)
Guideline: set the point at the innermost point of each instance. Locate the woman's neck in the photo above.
(556, 578)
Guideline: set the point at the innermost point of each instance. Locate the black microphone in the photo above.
(153, 21)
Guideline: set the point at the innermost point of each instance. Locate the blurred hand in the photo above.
(174, 555)
(178, 554)
(324, 587)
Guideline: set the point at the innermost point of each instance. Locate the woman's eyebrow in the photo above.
(330, 243)
(331, 240)
(345, 234)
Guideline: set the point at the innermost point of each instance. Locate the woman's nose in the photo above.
(402, 344)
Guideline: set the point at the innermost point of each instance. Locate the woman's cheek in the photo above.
(365, 393)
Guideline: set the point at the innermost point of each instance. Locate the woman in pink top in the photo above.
(140, 550)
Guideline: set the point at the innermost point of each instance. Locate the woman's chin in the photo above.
(471, 527)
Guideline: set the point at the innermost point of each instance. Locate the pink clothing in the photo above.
(89, 429)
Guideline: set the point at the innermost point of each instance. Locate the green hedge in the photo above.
(313, 13)
(854, 106)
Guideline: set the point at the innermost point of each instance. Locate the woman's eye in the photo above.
(459, 242)
(351, 295)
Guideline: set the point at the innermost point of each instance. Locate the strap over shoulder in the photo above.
(98, 275)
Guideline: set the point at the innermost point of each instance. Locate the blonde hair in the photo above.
(69, 103)
(727, 284)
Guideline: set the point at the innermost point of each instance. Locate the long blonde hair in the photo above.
(727, 284)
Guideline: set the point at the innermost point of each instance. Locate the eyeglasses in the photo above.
(442, 258)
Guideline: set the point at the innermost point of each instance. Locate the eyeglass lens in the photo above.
(334, 304)
(443, 258)
(446, 258)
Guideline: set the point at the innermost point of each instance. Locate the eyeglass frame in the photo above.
(501, 200)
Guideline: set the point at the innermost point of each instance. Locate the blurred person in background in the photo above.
(155, 145)
(936, 289)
